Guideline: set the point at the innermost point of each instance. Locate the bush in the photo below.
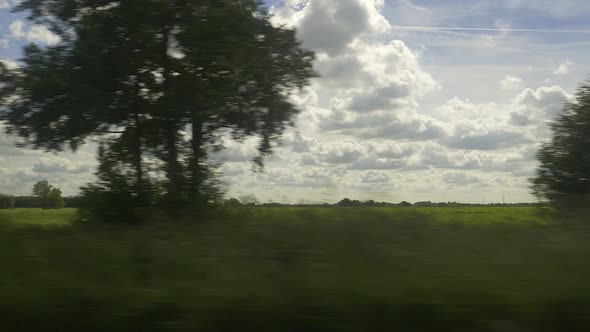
(100, 204)
(6, 201)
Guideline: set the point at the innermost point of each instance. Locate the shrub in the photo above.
(100, 204)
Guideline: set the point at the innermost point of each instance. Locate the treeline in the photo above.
(10, 202)
(33, 202)
(346, 202)
(44, 195)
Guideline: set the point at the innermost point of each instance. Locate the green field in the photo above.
(299, 269)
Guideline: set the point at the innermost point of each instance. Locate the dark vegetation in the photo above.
(6, 201)
(160, 84)
(564, 175)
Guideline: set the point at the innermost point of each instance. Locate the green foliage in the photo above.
(301, 269)
(101, 204)
(47, 196)
(42, 189)
(143, 84)
(564, 174)
(6, 201)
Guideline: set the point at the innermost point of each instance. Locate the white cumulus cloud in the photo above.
(35, 33)
(564, 68)
(511, 83)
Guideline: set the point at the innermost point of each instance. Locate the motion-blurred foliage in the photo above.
(563, 177)
(160, 84)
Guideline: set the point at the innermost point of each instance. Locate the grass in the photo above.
(39, 217)
(299, 269)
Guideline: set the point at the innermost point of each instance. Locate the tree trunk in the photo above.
(197, 142)
(136, 147)
(173, 167)
(137, 159)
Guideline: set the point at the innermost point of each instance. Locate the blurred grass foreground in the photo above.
(298, 269)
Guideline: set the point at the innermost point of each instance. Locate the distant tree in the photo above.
(249, 200)
(6, 201)
(405, 204)
(345, 202)
(350, 202)
(232, 202)
(56, 201)
(47, 195)
(564, 173)
(42, 189)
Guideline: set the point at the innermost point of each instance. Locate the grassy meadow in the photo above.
(298, 269)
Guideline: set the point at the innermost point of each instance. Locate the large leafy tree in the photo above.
(564, 173)
(155, 79)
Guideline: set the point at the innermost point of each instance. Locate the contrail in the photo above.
(489, 29)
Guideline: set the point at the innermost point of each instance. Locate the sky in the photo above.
(417, 100)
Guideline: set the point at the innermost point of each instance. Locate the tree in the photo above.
(161, 86)
(232, 202)
(6, 201)
(42, 189)
(47, 195)
(564, 172)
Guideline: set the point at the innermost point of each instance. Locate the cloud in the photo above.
(372, 163)
(9, 63)
(480, 137)
(386, 98)
(36, 33)
(48, 165)
(385, 125)
(372, 178)
(390, 149)
(331, 25)
(16, 29)
(6, 4)
(341, 151)
(234, 151)
(460, 179)
(563, 68)
(511, 83)
(535, 107)
(296, 142)
(458, 109)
